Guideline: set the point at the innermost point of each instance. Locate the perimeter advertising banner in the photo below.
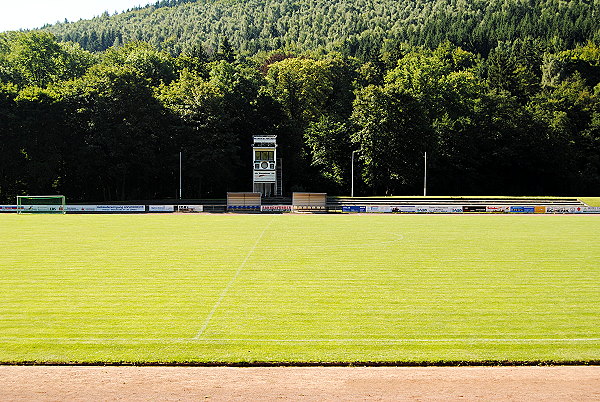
(8, 208)
(82, 208)
(586, 210)
(190, 208)
(354, 208)
(560, 210)
(121, 208)
(105, 208)
(522, 210)
(444, 209)
(379, 208)
(497, 208)
(275, 208)
(572, 210)
(391, 209)
(404, 209)
(40, 208)
(161, 208)
(474, 208)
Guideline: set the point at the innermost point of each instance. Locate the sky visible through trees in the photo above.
(29, 14)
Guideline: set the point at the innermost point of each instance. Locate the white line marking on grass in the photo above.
(237, 273)
(403, 341)
(349, 341)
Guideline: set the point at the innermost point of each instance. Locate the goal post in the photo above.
(41, 204)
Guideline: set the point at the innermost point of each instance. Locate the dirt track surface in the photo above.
(310, 383)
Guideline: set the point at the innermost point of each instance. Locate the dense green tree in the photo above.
(514, 110)
(217, 117)
(10, 150)
(121, 142)
(328, 141)
(36, 58)
(152, 64)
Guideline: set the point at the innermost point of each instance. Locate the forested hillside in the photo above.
(505, 102)
(353, 27)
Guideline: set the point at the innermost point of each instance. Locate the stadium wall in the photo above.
(407, 209)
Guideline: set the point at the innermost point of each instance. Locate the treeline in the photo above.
(357, 28)
(523, 120)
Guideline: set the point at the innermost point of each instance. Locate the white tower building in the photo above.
(267, 170)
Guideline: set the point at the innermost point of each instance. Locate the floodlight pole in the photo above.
(425, 177)
(180, 171)
(352, 188)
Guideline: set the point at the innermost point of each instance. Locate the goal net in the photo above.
(45, 204)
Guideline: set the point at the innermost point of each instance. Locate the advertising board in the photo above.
(572, 210)
(497, 208)
(105, 208)
(81, 208)
(540, 209)
(120, 208)
(522, 210)
(474, 208)
(580, 210)
(404, 209)
(161, 208)
(441, 209)
(265, 139)
(560, 210)
(41, 208)
(276, 208)
(379, 208)
(8, 208)
(354, 208)
(190, 208)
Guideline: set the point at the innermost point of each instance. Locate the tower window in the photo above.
(264, 155)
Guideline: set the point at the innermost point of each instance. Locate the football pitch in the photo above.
(299, 288)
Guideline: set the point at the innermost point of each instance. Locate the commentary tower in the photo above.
(267, 167)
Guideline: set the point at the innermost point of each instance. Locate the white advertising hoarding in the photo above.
(121, 208)
(379, 208)
(497, 208)
(276, 208)
(40, 208)
(443, 209)
(105, 208)
(561, 210)
(161, 208)
(404, 208)
(190, 208)
(82, 208)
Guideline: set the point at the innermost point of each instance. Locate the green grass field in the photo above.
(299, 288)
